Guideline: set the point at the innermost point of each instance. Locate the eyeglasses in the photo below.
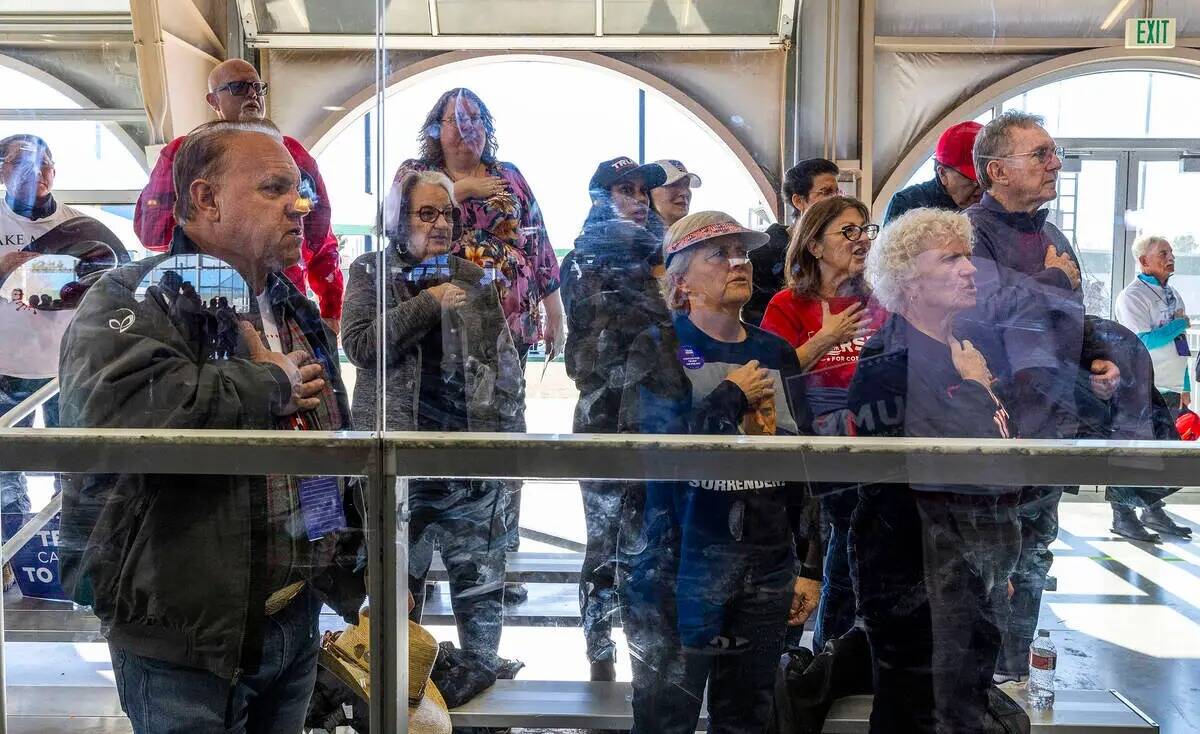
(458, 120)
(243, 88)
(735, 255)
(854, 233)
(429, 214)
(1041, 155)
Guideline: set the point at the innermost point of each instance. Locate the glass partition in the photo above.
(566, 365)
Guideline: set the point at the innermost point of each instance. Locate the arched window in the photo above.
(1122, 176)
(582, 116)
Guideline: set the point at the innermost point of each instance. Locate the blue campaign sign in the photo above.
(36, 565)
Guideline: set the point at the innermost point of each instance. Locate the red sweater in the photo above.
(798, 318)
(154, 222)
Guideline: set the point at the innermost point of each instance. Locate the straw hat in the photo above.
(427, 712)
(348, 656)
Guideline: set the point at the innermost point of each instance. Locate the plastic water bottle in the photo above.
(1043, 659)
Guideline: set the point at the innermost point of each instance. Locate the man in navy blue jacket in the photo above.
(1029, 286)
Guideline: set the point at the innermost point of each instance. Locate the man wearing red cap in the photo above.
(954, 185)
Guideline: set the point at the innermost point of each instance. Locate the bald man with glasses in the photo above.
(236, 93)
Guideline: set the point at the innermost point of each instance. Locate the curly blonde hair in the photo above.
(892, 260)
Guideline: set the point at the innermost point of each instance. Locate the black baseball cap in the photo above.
(612, 171)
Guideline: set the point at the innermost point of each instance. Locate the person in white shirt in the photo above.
(1155, 311)
(32, 223)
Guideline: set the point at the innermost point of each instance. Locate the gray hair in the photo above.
(396, 207)
(891, 261)
(678, 265)
(1142, 244)
(994, 140)
(202, 156)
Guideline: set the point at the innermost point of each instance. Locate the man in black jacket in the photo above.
(805, 184)
(209, 587)
(954, 185)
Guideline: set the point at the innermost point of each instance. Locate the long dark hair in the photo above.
(429, 138)
(800, 266)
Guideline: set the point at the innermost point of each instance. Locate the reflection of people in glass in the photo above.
(450, 366)
(28, 212)
(712, 582)
(611, 295)
(932, 561)
(503, 231)
(826, 314)
(209, 588)
(236, 93)
(226, 341)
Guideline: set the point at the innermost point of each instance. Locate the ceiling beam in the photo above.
(967, 45)
(518, 43)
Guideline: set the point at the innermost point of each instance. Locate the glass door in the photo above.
(1091, 193)
(1163, 202)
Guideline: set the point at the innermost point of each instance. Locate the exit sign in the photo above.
(1150, 33)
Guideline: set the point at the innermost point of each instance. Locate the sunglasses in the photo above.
(243, 89)
(429, 214)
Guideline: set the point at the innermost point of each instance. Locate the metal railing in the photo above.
(388, 460)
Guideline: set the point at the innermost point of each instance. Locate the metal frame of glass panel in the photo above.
(388, 461)
(589, 39)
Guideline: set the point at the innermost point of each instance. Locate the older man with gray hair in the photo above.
(1155, 311)
(237, 94)
(209, 587)
(1030, 292)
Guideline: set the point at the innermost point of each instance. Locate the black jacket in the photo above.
(906, 385)
(930, 194)
(610, 296)
(174, 566)
(768, 273)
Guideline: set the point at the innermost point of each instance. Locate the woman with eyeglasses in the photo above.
(502, 231)
(502, 228)
(712, 581)
(450, 365)
(826, 314)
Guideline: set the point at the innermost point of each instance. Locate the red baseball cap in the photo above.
(954, 148)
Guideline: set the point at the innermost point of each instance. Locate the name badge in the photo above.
(1181, 346)
(321, 506)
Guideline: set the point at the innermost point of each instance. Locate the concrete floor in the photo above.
(1125, 616)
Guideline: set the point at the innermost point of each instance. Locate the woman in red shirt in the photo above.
(827, 315)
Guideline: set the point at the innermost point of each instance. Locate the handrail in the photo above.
(587, 456)
(26, 407)
(825, 459)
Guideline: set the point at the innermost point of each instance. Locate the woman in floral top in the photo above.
(503, 231)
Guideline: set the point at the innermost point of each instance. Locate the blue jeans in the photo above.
(164, 698)
(466, 517)
(1038, 513)
(669, 677)
(931, 579)
(835, 611)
